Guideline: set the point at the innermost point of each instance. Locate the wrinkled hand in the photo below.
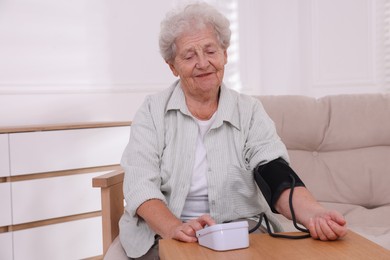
(329, 225)
(186, 232)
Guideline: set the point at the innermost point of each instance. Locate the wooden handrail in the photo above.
(67, 126)
(108, 179)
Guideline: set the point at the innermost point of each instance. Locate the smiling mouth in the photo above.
(204, 75)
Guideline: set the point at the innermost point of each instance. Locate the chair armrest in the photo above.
(108, 179)
(111, 185)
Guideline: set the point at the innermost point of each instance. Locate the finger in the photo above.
(182, 236)
(197, 224)
(327, 231)
(318, 225)
(192, 227)
(184, 233)
(339, 230)
(338, 218)
(206, 220)
(312, 229)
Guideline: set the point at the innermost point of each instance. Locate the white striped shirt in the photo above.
(159, 159)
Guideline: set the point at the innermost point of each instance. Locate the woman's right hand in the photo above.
(161, 220)
(186, 232)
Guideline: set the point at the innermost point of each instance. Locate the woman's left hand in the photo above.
(328, 225)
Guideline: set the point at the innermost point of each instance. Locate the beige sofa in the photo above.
(339, 145)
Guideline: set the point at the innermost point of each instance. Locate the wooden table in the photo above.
(263, 246)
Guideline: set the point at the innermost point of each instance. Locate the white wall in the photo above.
(95, 60)
(78, 60)
(312, 47)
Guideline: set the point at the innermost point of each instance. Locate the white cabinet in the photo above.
(49, 151)
(5, 198)
(49, 209)
(5, 188)
(69, 195)
(6, 251)
(4, 156)
(70, 240)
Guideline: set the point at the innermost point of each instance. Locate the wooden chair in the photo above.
(111, 185)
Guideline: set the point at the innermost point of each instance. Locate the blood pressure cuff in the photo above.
(275, 177)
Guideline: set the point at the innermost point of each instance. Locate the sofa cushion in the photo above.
(360, 176)
(370, 223)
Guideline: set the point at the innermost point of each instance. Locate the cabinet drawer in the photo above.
(71, 240)
(5, 210)
(48, 151)
(4, 156)
(39, 199)
(6, 246)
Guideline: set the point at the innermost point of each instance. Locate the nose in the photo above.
(202, 62)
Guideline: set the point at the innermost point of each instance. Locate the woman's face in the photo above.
(199, 62)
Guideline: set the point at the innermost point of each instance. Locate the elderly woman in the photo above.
(194, 148)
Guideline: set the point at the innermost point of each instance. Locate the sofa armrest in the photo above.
(111, 185)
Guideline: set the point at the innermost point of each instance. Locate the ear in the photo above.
(225, 56)
(173, 69)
